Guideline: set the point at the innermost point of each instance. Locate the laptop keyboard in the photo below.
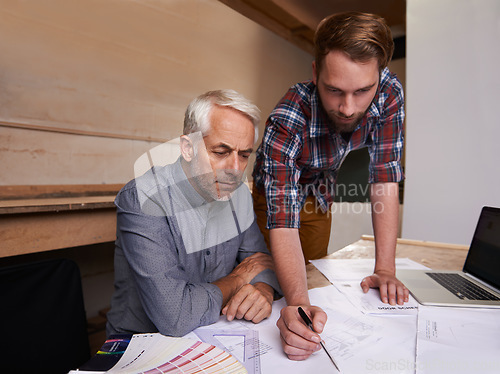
(461, 287)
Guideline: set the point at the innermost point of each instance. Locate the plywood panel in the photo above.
(114, 78)
(130, 65)
(38, 157)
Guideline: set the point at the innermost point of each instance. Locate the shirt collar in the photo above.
(373, 110)
(379, 99)
(184, 187)
(319, 118)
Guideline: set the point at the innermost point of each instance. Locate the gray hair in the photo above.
(197, 117)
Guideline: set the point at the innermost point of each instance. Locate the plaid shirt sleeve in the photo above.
(281, 146)
(388, 136)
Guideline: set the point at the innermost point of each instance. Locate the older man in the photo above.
(188, 247)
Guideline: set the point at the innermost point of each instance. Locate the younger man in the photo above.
(353, 101)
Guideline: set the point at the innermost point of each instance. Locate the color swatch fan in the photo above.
(156, 353)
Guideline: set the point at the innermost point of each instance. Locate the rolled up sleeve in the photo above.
(280, 149)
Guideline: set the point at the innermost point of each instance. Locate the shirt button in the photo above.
(208, 253)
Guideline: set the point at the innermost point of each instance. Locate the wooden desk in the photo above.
(39, 219)
(434, 255)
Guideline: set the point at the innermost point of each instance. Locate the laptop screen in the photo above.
(483, 259)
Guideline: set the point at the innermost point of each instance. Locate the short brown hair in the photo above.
(361, 36)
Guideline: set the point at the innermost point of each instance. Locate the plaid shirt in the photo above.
(300, 155)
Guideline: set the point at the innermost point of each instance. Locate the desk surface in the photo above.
(435, 348)
(434, 255)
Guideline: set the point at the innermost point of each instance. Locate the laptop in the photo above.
(478, 285)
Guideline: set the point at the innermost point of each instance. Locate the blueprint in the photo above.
(370, 302)
(458, 340)
(358, 342)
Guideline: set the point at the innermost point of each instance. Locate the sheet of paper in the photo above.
(370, 302)
(358, 342)
(458, 340)
(366, 343)
(356, 269)
(346, 275)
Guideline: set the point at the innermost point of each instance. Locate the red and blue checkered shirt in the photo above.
(301, 154)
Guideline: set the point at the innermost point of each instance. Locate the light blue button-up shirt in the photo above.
(171, 244)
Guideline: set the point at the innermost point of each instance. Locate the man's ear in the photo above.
(314, 72)
(187, 148)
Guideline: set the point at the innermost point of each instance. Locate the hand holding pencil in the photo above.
(309, 324)
(298, 340)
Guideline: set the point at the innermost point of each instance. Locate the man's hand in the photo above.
(251, 302)
(298, 341)
(237, 293)
(389, 286)
(252, 266)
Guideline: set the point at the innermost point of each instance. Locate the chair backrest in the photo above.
(42, 318)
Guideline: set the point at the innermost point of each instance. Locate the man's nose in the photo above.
(347, 108)
(234, 164)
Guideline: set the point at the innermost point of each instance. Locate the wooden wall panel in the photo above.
(39, 157)
(87, 86)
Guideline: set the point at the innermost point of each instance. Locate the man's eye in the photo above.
(364, 90)
(335, 92)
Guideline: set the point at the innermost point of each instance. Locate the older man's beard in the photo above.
(219, 186)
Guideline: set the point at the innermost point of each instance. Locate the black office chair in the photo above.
(42, 318)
